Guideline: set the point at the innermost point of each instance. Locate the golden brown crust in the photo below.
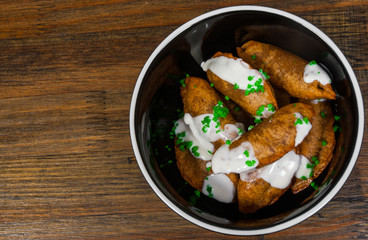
(192, 169)
(199, 98)
(275, 136)
(255, 195)
(286, 70)
(249, 103)
(322, 130)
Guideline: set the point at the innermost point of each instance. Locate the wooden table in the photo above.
(67, 72)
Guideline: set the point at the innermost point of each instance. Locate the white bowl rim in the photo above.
(301, 217)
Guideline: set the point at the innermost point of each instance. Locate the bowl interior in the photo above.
(158, 102)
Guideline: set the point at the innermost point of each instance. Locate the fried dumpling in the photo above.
(288, 71)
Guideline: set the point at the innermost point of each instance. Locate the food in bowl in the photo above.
(254, 165)
(156, 103)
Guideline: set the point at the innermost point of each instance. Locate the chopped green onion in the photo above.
(197, 193)
(313, 62)
(241, 131)
(182, 82)
(324, 142)
(209, 190)
(260, 110)
(264, 74)
(227, 98)
(298, 121)
(236, 86)
(250, 163)
(228, 142)
(314, 185)
(254, 57)
(303, 178)
(323, 115)
(195, 151)
(257, 119)
(271, 107)
(246, 153)
(306, 120)
(250, 127)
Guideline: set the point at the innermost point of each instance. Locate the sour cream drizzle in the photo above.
(203, 136)
(220, 187)
(234, 71)
(236, 160)
(303, 171)
(303, 126)
(278, 174)
(316, 101)
(313, 72)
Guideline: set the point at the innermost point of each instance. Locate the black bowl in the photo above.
(156, 102)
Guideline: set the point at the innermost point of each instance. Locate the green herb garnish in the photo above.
(260, 110)
(182, 82)
(323, 115)
(209, 190)
(195, 151)
(257, 120)
(271, 107)
(206, 123)
(264, 74)
(298, 121)
(314, 185)
(246, 153)
(250, 163)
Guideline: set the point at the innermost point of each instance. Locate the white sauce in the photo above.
(234, 71)
(235, 160)
(302, 129)
(266, 113)
(280, 173)
(303, 170)
(193, 128)
(313, 72)
(220, 187)
(316, 101)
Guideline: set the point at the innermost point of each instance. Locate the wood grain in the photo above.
(67, 72)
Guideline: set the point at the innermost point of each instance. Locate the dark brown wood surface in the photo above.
(67, 72)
